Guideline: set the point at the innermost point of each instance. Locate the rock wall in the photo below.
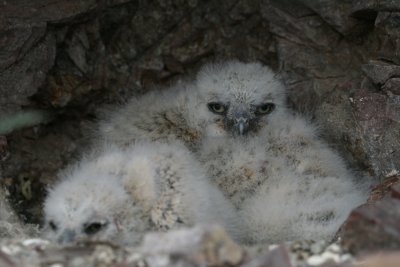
(339, 59)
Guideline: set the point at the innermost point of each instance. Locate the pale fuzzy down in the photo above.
(183, 112)
(286, 182)
(161, 115)
(234, 117)
(119, 194)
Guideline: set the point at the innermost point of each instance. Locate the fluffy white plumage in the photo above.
(283, 179)
(186, 111)
(122, 193)
(286, 183)
(163, 115)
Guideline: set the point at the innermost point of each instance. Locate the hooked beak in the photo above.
(67, 236)
(242, 125)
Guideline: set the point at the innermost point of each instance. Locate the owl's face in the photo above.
(240, 98)
(88, 227)
(240, 118)
(85, 209)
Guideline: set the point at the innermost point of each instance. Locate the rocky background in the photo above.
(62, 60)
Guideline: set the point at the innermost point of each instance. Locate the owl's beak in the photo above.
(239, 122)
(241, 125)
(67, 236)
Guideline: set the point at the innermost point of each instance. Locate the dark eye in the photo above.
(53, 226)
(217, 107)
(265, 108)
(92, 228)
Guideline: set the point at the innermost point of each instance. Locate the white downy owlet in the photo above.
(118, 194)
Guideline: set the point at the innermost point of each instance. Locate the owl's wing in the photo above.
(157, 115)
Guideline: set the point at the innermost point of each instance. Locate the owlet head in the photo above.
(84, 208)
(240, 97)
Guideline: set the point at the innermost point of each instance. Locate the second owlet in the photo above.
(119, 194)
